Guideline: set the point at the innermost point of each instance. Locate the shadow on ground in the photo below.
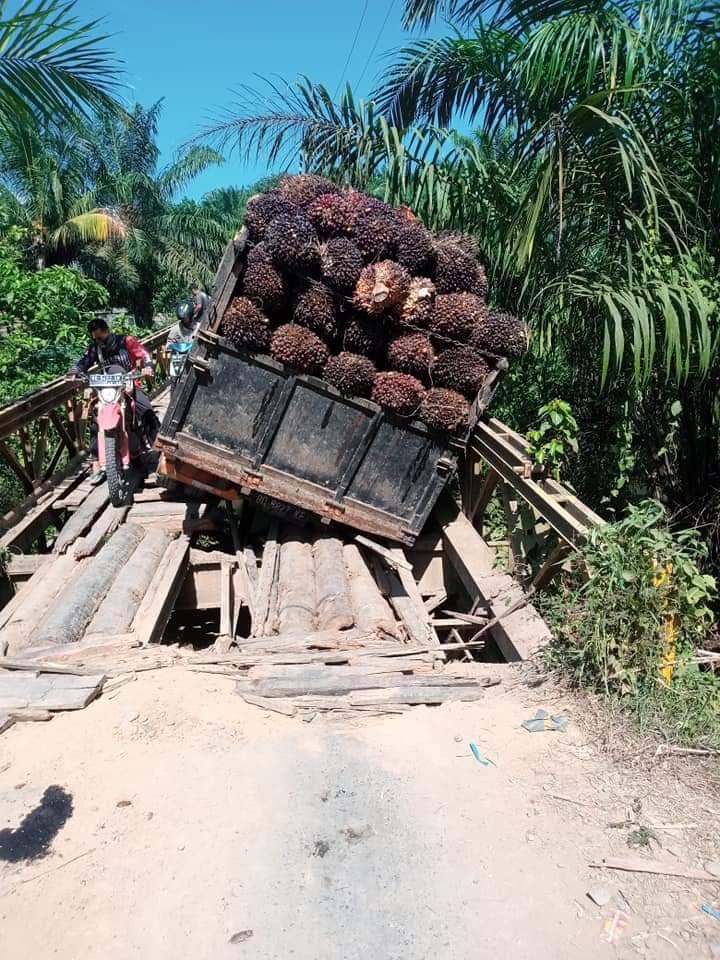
(37, 831)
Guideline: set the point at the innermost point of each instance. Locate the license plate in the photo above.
(107, 379)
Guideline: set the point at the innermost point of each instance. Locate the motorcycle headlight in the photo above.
(108, 394)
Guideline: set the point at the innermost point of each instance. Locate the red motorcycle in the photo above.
(122, 440)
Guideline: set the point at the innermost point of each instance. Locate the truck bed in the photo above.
(240, 424)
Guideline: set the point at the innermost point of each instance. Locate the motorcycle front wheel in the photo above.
(117, 486)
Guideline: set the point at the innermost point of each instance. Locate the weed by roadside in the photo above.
(631, 629)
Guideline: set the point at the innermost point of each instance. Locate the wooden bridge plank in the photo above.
(157, 605)
(82, 519)
(522, 633)
(69, 616)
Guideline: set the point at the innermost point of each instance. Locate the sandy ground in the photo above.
(172, 820)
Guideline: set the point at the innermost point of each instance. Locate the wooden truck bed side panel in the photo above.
(241, 424)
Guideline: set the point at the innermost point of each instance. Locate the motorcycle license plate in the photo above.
(107, 379)
(177, 364)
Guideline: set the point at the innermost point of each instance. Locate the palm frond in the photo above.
(53, 63)
(431, 80)
(93, 226)
(191, 162)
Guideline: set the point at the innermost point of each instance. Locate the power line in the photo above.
(352, 49)
(377, 41)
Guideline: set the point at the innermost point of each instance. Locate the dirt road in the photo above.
(172, 820)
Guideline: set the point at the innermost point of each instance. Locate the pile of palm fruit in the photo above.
(341, 285)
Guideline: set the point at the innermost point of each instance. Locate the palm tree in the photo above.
(52, 65)
(122, 173)
(42, 188)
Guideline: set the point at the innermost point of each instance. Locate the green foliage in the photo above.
(610, 630)
(52, 64)
(555, 436)
(45, 315)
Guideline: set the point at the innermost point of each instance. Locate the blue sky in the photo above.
(193, 52)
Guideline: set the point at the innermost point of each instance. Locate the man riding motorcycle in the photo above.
(114, 352)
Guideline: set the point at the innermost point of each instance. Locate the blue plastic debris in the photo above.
(543, 721)
(711, 911)
(475, 751)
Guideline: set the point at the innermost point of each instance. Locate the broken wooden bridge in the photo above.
(301, 616)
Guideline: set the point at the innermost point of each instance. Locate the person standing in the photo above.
(200, 303)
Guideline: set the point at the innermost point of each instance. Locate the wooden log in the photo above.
(318, 671)
(33, 603)
(117, 611)
(226, 604)
(265, 580)
(285, 707)
(296, 587)
(416, 624)
(244, 588)
(411, 589)
(334, 611)
(251, 566)
(107, 523)
(519, 634)
(396, 558)
(82, 519)
(70, 614)
(157, 604)
(370, 610)
(21, 566)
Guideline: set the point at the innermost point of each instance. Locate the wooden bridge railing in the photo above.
(544, 520)
(43, 434)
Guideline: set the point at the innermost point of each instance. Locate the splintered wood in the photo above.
(338, 628)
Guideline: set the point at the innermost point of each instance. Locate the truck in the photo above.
(241, 425)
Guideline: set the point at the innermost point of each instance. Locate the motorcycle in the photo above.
(119, 449)
(178, 357)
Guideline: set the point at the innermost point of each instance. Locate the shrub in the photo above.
(645, 605)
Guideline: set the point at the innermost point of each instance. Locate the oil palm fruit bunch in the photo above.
(412, 353)
(414, 248)
(382, 286)
(402, 308)
(445, 410)
(461, 369)
(456, 315)
(303, 188)
(501, 333)
(332, 213)
(262, 209)
(417, 307)
(315, 308)
(299, 348)
(341, 264)
(292, 242)
(351, 374)
(456, 271)
(364, 335)
(399, 393)
(263, 283)
(245, 326)
(374, 229)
